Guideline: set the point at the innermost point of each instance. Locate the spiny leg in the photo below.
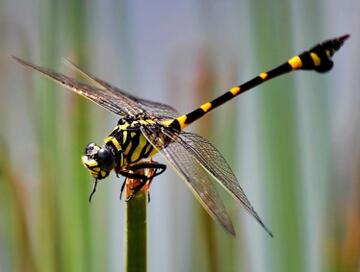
(143, 179)
(93, 190)
(122, 188)
(148, 165)
(158, 167)
(140, 177)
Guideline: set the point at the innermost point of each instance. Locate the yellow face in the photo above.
(99, 161)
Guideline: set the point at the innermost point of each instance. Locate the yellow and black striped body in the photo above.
(127, 146)
(131, 146)
(129, 143)
(317, 58)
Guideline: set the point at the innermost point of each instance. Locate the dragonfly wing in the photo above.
(195, 176)
(214, 163)
(155, 108)
(159, 110)
(97, 95)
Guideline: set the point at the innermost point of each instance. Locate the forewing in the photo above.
(195, 176)
(96, 95)
(157, 109)
(212, 160)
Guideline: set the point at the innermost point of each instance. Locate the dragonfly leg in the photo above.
(122, 188)
(141, 178)
(93, 190)
(159, 169)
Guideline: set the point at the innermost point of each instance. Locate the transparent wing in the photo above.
(195, 176)
(205, 154)
(212, 160)
(157, 109)
(122, 106)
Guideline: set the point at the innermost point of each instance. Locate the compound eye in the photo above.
(105, 159)
(89, 148)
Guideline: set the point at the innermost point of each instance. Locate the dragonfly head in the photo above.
(98, 160)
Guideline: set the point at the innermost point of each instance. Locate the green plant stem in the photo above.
(136, 233)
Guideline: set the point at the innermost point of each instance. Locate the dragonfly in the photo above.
(146, 128)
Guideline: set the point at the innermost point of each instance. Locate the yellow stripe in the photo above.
(136, 154)
(315, 58)
(167, 122)
(123, 127)
(148, 148)
(263, 75)
(182, 120)
(125, 135)
(122, 160)
(128, 148)
(93, 173)
(235, 90)
(295, 62)
(144, 122)
(205, 107)
(88, 162)
(114, 141)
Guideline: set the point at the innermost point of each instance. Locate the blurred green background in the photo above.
(293, 142)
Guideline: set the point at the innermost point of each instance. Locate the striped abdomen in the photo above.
(317, 58)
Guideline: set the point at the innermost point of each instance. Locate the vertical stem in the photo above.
(135, 233)
(136, 227)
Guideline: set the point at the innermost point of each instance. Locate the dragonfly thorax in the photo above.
(129, 143)
(99, 160)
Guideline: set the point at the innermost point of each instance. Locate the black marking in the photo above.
(143, 153)
(115, 131)
(126, 140)
(134, 145)
(175, 125)
(278, 71)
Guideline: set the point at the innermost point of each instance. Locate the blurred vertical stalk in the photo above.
(19, 209)
(136, 226)
(279, 140)
(78, 249)
(204, 83)
(47, 209)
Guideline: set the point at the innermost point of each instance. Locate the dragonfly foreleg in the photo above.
(93, 190)
(143, 179)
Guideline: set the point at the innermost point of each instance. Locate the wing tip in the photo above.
(19, 60)
(232, 232)
(229, 227)
(268, 231)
